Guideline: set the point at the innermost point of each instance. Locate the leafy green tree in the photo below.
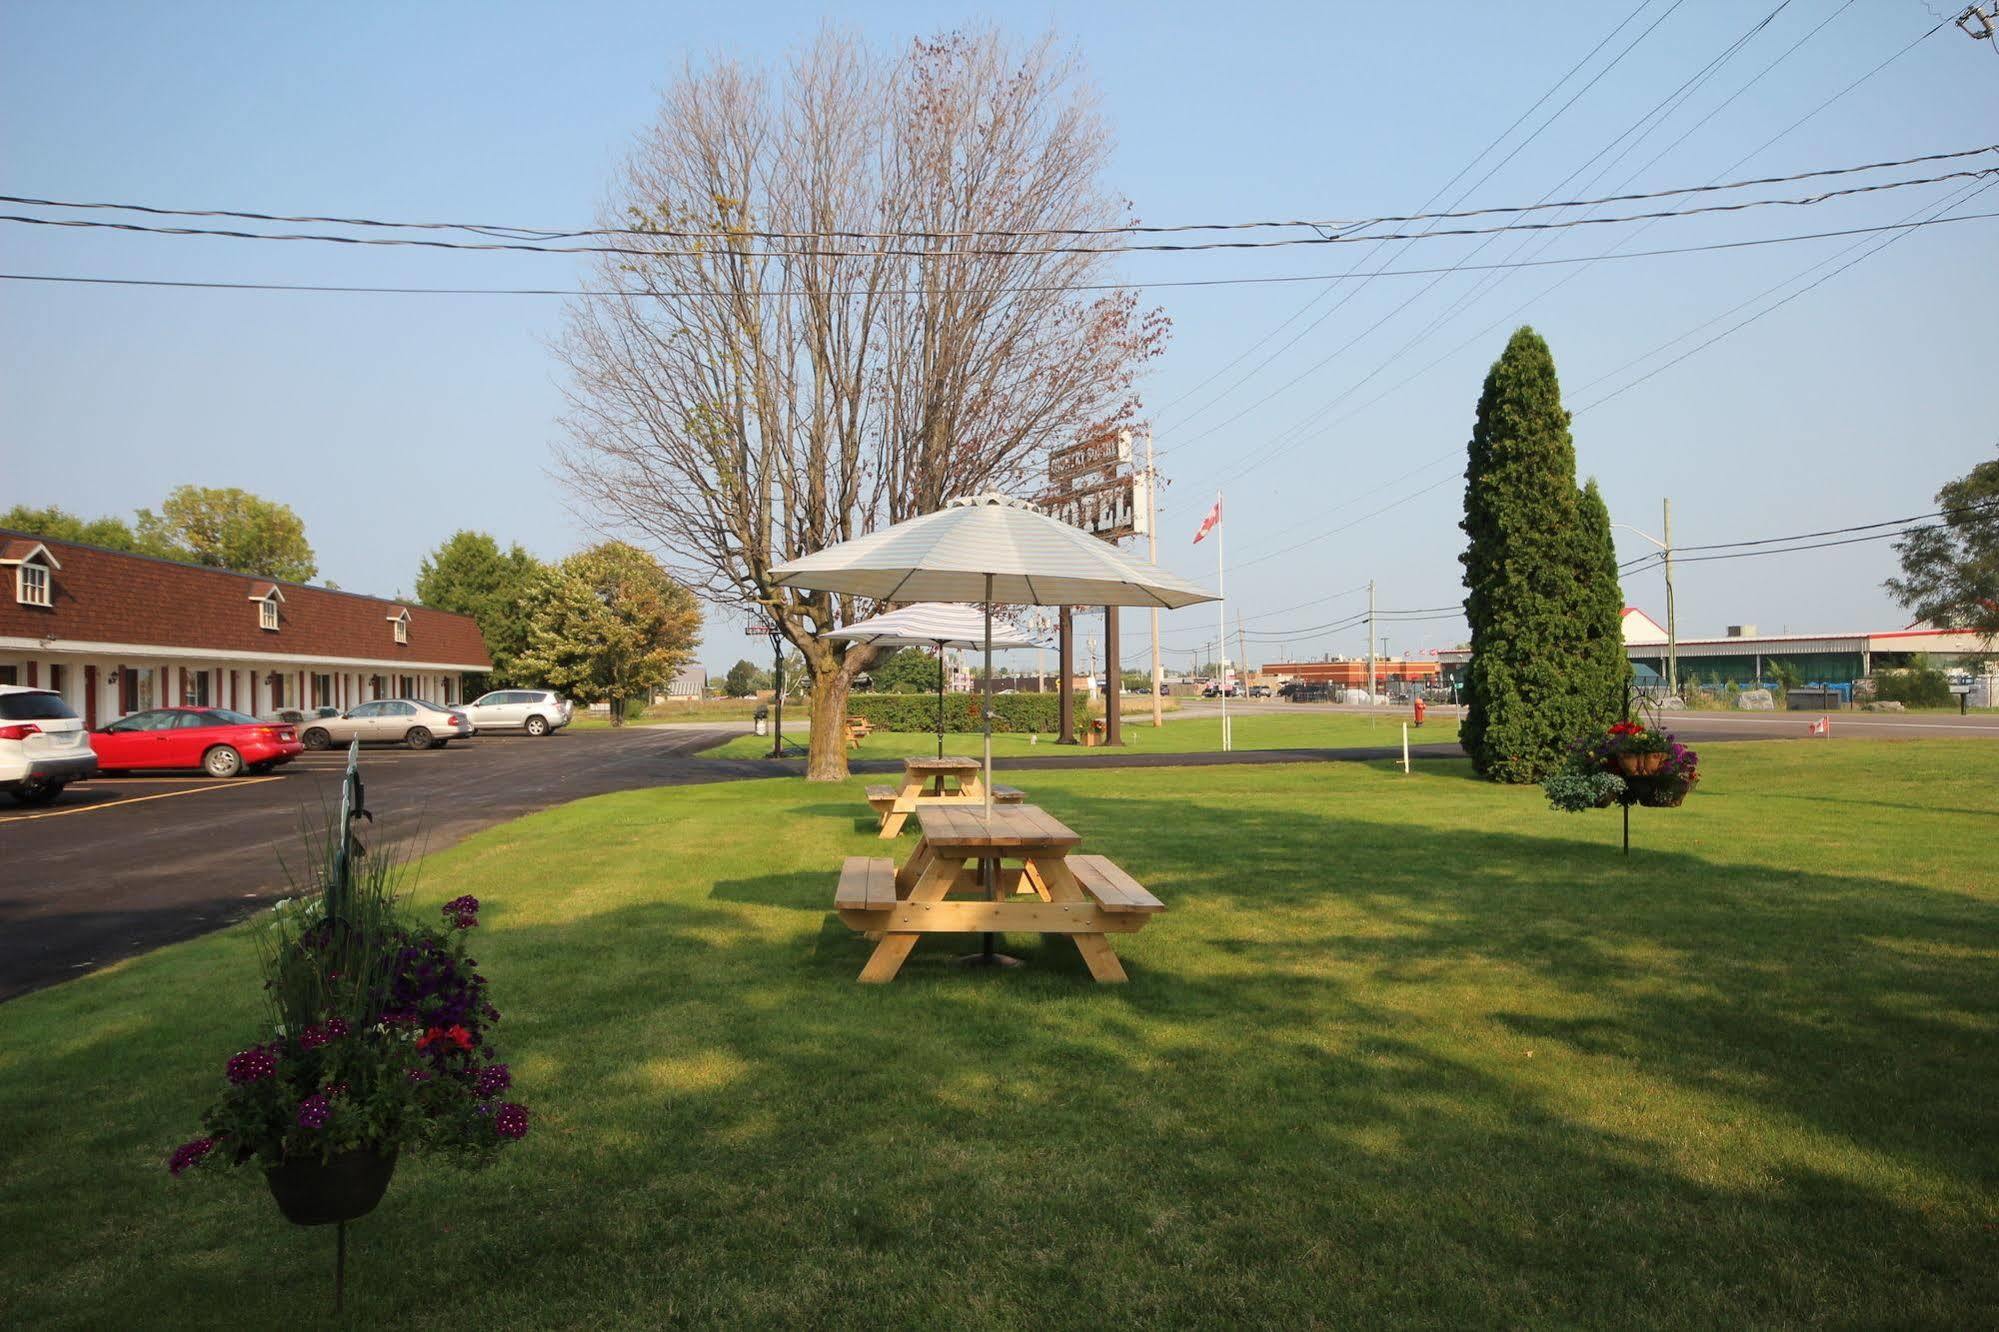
(1950, 569)
(610, 625)
(227, 528)
(61, 525)
(469, 574)
(1524, 574)
(910, 670)
(744, 678)
(1604, 675)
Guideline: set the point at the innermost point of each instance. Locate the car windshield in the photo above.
(34, 706)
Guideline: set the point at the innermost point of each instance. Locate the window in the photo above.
(31, 584)
(402, 631)
(399, 710)
(267, 613)
(146, 721)
(34, 707)
(368, 710)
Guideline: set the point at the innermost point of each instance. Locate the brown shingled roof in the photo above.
(105, 596)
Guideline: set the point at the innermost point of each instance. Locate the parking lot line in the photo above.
(133, 800)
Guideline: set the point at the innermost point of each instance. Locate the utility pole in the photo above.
(1370, 642)
(1152, 553)
(1672, 614)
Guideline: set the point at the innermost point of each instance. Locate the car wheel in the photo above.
(419, 737)
(222, 761)
(317, 738)
(537, 726)
(36, 793)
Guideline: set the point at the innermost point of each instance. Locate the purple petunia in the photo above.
(314, 1111)
(336, 1028)
(252, 1065)
(462, 911)
(491, 1081)
(189, 1154)
(420, 1075)
(511, 1121)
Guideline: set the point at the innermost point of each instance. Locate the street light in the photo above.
(1665, 545)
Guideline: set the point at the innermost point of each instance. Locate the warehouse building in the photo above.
(115, 633)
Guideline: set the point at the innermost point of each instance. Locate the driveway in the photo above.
(121, 865)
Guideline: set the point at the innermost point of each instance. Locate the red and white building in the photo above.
(115, 633)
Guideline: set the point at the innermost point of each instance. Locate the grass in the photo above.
(1403, 1050)
(1263, 730)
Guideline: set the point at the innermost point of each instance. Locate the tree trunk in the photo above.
(827, 761)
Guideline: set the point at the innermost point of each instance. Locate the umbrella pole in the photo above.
(989, 699)
(940, 700)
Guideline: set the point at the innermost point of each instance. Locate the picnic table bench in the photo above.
(951, 780)
(1044, 890)
(858, 729)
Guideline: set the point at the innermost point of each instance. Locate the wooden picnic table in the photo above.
(1010, 872)
(951, 780)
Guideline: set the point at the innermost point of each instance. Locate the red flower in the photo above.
(456, 1035)
(1627, 728)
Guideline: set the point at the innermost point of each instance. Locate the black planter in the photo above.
(1662, 792)
(312, 1192)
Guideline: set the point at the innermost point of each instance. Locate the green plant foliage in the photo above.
(915, 712)
(744, 678)
(909, 670)
(1574, 790)
(1950, 569)
(61, 525)
(1920, 686)
(1604, 674)
(227, 528)
(610, 624)
(469, 574)
(1530, 601)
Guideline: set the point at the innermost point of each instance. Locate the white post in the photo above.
(988, 783)
(1405, 749)
(1222, 616)
(1152, 547)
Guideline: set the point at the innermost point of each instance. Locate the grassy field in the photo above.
(1403, 1050)
(1303, 730)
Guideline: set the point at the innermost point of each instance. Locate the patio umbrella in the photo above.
(994, 550)
(938, 624)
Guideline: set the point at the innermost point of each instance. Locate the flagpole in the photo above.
(1222, 613)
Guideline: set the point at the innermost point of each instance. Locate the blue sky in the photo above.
(390, 421)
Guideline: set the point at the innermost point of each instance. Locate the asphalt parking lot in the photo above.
(120, 865)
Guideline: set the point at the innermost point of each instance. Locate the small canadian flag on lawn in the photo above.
(1209, 523)
(1822, 727)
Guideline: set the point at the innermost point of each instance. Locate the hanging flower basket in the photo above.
(343, 1187)
(1665, 791)
(1641, 764)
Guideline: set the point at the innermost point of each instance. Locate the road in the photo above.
(125, 864)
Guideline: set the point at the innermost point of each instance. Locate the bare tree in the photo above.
(836, 321)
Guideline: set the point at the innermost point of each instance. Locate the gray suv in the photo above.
(536, 711)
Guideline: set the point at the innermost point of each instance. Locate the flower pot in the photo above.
(1665, 792)
(1640, 765)
(312, 1192)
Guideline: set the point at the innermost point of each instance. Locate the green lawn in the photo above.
(1278, 730)
(1403, 1050)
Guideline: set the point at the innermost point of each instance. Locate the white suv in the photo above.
(43, 747)
(536, 711)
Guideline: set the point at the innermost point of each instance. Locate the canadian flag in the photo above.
(1821, 727)
(1209, 523)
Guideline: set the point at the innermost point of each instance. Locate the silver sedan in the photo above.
(399, 721)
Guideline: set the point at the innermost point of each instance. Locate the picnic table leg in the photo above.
(894, 948)
(1097, 953)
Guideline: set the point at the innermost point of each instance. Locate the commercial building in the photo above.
(115, 633)
(1742, 656)
(1351, 672)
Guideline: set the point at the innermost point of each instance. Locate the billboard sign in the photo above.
(1093, 486)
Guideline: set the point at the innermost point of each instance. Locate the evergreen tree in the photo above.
(1606, 673)
(1523, 578)
(470, 575)
(744, 678)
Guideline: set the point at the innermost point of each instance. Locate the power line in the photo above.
(1289, 242)
(1279, 279)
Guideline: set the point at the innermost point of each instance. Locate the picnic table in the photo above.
(1012, 871)
(951, 780)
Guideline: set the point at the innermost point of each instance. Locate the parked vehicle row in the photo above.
(44, 746)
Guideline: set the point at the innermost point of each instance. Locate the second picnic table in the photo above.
(950, 780)
(963, 850)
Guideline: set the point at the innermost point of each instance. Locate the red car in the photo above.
(219, 742)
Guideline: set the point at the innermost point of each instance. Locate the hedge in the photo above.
(918, 712)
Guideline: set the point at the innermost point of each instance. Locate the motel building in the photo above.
(116, 634)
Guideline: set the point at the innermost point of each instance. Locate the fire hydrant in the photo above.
(1420, 709)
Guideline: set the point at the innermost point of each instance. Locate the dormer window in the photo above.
(267, 596)
(32, 566)
(401, 621)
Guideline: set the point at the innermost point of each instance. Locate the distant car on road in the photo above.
(219, 742)
(536, 711)
(43, 747)
(395, 721)
(1259, 691)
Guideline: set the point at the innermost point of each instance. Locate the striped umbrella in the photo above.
(938, 624)
(993, 550)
